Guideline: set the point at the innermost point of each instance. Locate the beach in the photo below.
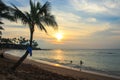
(32, 70)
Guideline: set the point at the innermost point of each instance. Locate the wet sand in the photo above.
(32, 70)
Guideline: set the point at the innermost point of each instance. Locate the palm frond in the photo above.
(29, 19)
(31, 5)
(6, 11)
(1, 28)
(20, 15)
(38, 5)
(41, 27)
(49, 20)
(1, 22)
(3, 6)
(8, 16)
(0, 33)
(45, 9)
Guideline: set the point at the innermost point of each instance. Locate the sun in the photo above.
(59, 36)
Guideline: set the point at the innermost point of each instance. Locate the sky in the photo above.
(84, 24)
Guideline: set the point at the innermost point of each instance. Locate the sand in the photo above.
(33, 70)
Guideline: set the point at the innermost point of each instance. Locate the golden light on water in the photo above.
(59, 55)
(56, 65)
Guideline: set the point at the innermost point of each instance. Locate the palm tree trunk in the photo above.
(19, 62)
(31, 37)
(2, 54)
(25, 55)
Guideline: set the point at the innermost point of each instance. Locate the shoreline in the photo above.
(55, 68)
(76, 69)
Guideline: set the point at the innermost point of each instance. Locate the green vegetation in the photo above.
(17, 43)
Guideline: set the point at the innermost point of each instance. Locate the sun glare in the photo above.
(59, 36)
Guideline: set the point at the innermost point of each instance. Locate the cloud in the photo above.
(87, 6)
(111, 7)
(12, 24)
(91, 20)
(15, 32)
(19, 3)
(112, 3)
(111, 31)
(66, 16)
(67, 20)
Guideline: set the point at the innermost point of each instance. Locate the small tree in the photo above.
(22, 40)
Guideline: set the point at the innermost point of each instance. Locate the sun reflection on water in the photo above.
(56, 65)
(59, 55)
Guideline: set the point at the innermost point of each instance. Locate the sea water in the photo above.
(105, 61)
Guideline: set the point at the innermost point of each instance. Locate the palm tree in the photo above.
(39, 16)
(2, 8)
(5, 12)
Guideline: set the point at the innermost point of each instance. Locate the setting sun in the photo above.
(59, 36)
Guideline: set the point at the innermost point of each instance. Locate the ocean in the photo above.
(105, 61)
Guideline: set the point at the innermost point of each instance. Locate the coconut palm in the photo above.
(5, 12)
(39, 16)
(2, 9)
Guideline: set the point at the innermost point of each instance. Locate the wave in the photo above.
(77, 66)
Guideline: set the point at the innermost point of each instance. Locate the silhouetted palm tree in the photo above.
(39, 16)
(2, 9)
(5, 12)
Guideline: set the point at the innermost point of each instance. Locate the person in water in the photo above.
(81, 62)
(71, 61)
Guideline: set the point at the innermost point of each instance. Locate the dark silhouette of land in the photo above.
(15, 46)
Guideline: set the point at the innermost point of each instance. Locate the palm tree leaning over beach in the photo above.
(39, 16)
(5, 12)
